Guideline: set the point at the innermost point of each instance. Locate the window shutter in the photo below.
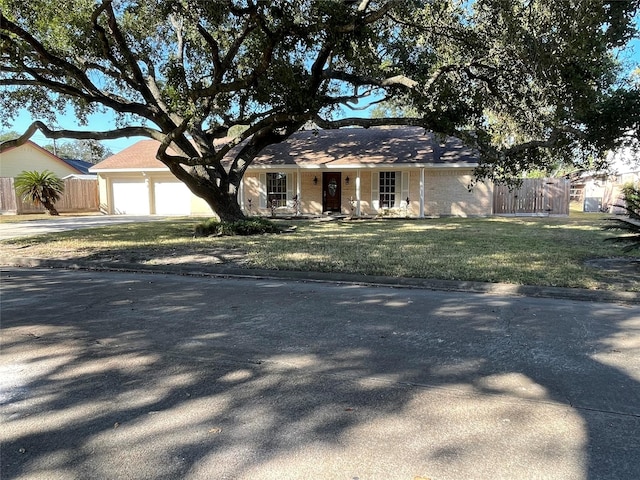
(375, 190)
(263, 190)
(404, 190)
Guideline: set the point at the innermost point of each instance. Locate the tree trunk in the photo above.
(51, 209)
(225, 206)
(222, 198)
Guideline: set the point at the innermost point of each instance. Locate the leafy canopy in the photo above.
(524, 81)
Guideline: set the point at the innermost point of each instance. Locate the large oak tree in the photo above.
(524, 81)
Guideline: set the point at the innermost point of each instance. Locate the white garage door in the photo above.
(130, 197)
(172, 198)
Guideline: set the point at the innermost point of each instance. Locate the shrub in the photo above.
(631, 224)
(248, 226)
(41, 188)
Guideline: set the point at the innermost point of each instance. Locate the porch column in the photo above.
(151, 194)
(422, 192)
(298, 191)
(357, 193)
(111, 207)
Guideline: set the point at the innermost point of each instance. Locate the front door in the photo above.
(331, 192)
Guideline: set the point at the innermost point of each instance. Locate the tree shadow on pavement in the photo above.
(107, 375)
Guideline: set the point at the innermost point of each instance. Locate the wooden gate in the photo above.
(536, 196)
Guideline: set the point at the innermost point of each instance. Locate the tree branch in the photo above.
(214, 48)
(106, 46)
(259, 140)
(245, 82)
(371, 122)
(551, 141)
(62, 68)
(47, 57)
(368, 19)
(364, 4)
(360, 80)
(81, 135)
(140, 83)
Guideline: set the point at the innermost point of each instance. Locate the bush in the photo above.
(631, 224)
(248, 226)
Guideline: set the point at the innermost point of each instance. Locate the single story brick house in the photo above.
(377, 171)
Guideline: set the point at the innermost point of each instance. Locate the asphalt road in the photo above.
(140, 376)
(37, 227)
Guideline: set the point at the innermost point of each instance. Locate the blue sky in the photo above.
(68, 121)
(101, 122)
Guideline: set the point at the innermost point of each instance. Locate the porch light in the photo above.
(315, 180)
(346, 180)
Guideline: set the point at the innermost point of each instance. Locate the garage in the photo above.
(172, 198)
(130, 197)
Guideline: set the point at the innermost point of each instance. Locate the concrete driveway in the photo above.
(10, 230)
(141, 376)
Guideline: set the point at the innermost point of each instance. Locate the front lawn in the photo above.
(524, 250)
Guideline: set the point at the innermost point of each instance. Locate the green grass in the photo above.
(533, 251)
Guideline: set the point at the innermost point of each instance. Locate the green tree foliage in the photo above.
(392, 109)
(524, 81)
(88, 150)
(630, 224)
(41, 188)
(10, 135)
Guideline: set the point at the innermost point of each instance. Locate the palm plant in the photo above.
(41, 188)
(630, 224)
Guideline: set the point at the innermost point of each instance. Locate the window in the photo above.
(390, 190)
(277, 189)
(387, 190)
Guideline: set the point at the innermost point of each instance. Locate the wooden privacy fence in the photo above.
(79, 196)
(536, 196)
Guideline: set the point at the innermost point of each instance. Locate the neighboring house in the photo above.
(602, 191)
(30, 156)
(81, 165)
(376, 171)
(80, 193)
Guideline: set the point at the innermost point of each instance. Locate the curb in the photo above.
(578, 294)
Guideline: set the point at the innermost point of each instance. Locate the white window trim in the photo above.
(263, 189)
(401, 194)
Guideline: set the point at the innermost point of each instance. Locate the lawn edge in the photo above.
(226, 271)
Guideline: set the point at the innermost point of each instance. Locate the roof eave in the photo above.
(355, 166)
(128, 170)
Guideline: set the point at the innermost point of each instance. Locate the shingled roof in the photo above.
(339, 148)
(81, 165)
(139, 156)
(377, 146)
